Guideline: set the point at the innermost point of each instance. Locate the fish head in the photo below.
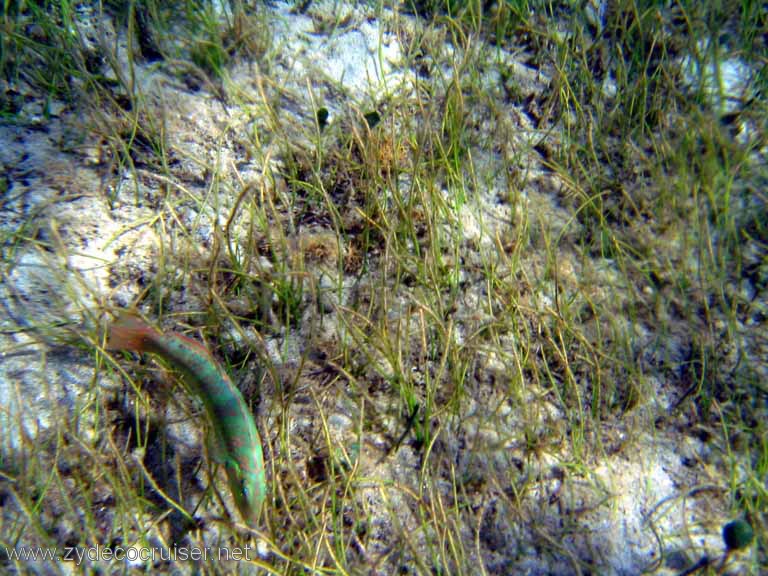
(245, 491)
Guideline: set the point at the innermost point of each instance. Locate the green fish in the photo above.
(232, 421)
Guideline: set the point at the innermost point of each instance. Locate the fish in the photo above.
(236, 436)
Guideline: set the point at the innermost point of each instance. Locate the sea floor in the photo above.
(425, 362)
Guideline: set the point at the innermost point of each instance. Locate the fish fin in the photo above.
(130, 332)
(216, 448)
(193, 343)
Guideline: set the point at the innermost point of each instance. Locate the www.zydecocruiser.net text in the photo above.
(132, 554)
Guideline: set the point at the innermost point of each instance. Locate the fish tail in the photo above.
(130, 332)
